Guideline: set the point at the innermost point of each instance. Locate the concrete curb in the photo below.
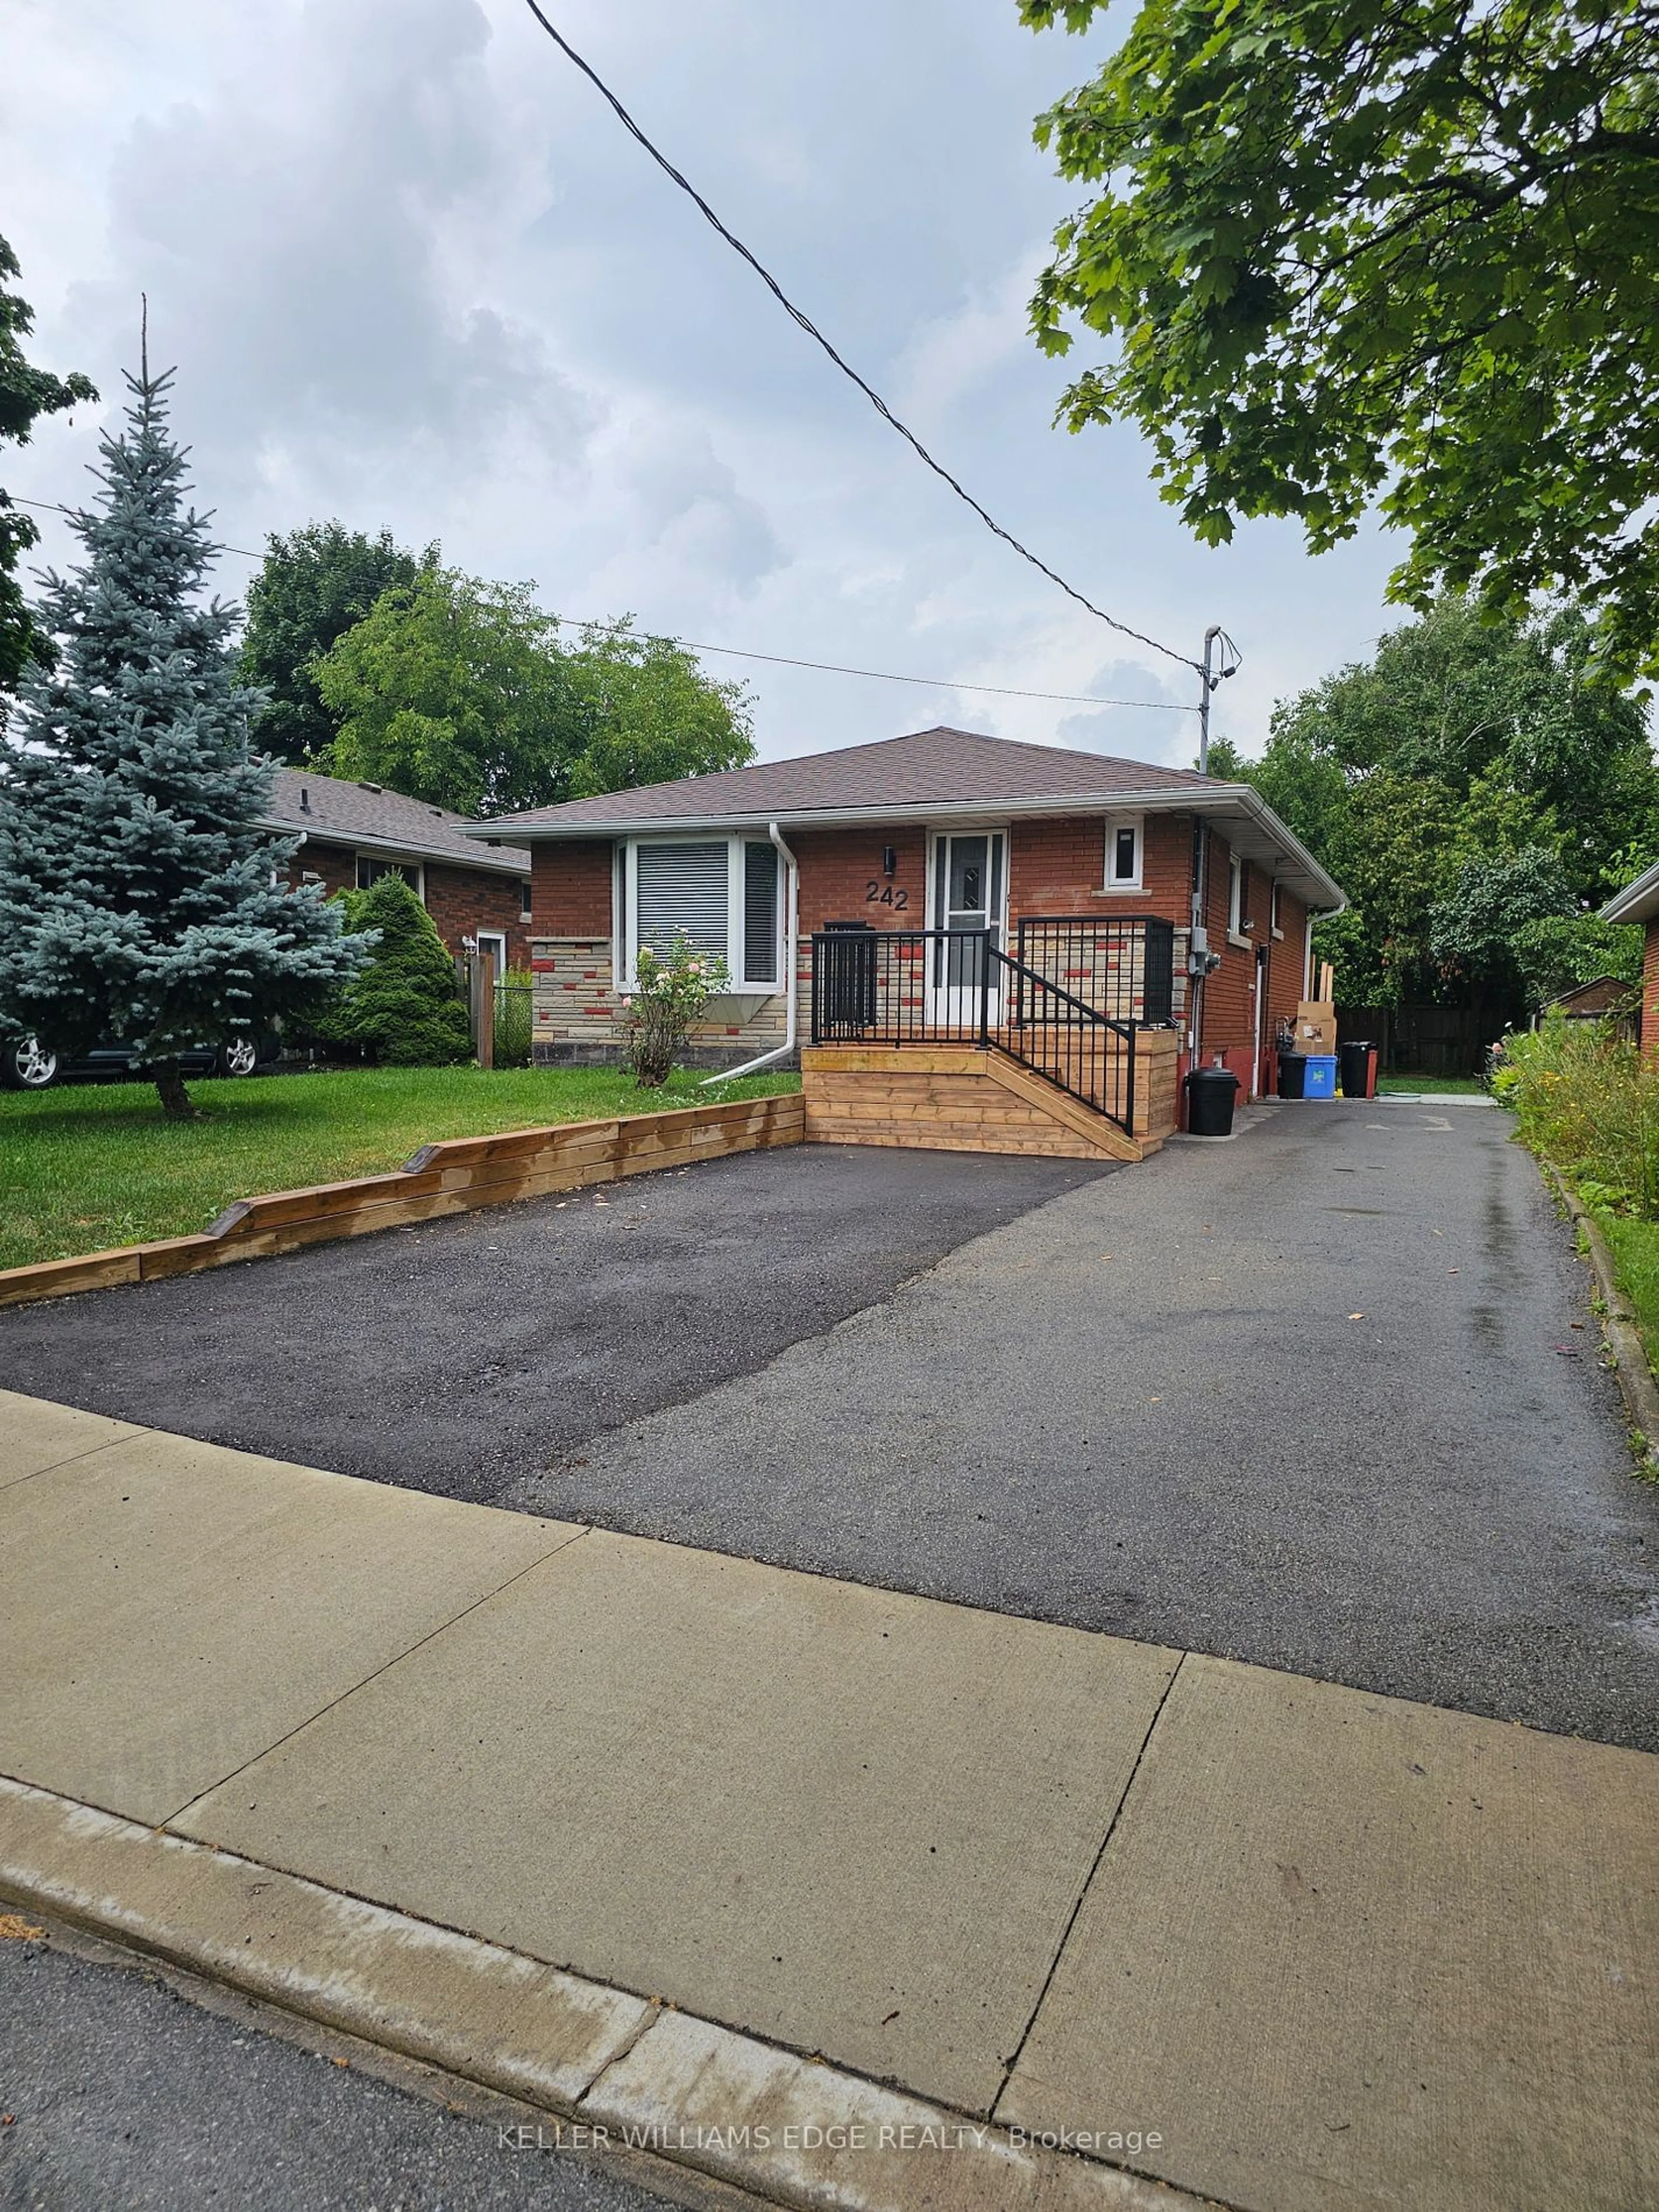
(615, 2070)
(1629, 1353)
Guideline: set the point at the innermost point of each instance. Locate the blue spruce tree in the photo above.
(139, 896)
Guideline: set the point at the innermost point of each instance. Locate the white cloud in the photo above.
(413, 272)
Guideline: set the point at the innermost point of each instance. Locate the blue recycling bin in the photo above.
(1319, 1075)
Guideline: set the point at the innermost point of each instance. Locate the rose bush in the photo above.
(671, 991)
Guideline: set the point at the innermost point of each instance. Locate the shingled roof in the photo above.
(376, 820)
(927, 769)
(936, 776)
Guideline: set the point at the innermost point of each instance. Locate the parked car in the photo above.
(26, 1065)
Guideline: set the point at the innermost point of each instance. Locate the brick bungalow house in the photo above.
(1011, 888)
(1639, 902)
(354, 832)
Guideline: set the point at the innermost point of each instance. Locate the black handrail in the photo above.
(1063, 1038)
(937, 986)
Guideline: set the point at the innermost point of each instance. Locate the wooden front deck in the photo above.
(954, 1098)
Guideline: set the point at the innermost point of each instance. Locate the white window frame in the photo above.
(498, 938)
(1114, 824)
(1236, 899)
(628, 879)
(1273, 911)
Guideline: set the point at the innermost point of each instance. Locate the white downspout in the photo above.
(791, 940)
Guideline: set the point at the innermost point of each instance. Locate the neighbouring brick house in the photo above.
(1640, 902)
(1077, 871)
(354, 832)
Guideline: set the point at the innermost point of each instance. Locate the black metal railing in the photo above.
(1074, 1045)
(957, 986)
(1124, 969)
(902, 987)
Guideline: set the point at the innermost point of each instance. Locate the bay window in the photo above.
(722, 895)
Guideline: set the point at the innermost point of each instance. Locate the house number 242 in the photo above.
(883, 895)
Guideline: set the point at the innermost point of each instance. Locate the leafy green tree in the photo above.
(450, 690)
(404, 1008)
(461, 693)
(1349, 253)
(1461, 742)
(25, 394)
(1476, 924)
(140, 897)
(643, 711)
(1557, 952)
(314, 585)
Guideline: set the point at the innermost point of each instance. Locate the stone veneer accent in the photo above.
(576, 1012)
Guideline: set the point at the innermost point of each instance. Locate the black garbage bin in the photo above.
(1356, 1067)
(1292, 1075)
(1210, 1095)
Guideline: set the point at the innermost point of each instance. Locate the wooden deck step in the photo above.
(952, 1098)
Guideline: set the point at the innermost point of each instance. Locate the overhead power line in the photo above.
(806, 324)
(785, 660)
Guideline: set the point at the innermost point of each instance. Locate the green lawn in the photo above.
(1463, 1086)
(88, 1166)
(1635, 1249)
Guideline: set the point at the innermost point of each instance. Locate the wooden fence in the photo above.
(1426, 1040)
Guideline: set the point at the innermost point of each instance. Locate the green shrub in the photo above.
(514, 1018)
(404, 1009)
(1585, 1098)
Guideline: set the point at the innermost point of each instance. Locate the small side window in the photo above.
(1273, 922)
(523, 898)
(370, 871)
(1123, 854)
(1235, 895)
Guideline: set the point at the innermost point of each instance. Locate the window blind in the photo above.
(760, 913)
(682, 892)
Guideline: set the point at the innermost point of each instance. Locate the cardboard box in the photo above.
(1316, 1026)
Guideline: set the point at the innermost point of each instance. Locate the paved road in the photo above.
(125, 2098)
(1327, 1398)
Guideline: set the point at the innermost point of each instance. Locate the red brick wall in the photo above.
(1060, 867)
(1229, 1003)
(570, 889)
(1650, 987)
(336, 864)
(1285, 967)
(460, 901)
(838, 868)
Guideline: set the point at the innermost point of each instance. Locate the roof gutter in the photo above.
(318, 833)
(1257, 806)
(1212, 799)
(791, 941)
(1637, 902)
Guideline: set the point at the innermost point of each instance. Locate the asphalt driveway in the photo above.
(1328, 1398)
(464, 1353)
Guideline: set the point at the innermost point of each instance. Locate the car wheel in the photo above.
(26, 1065)
(240, 1057)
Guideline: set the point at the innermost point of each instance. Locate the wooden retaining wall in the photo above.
(453, 1177)
(952, 1098)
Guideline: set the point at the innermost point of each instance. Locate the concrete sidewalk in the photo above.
(722, 1846)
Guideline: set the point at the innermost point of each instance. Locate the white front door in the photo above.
(970, 892)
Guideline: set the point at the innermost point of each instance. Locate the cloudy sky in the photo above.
(413, 272)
